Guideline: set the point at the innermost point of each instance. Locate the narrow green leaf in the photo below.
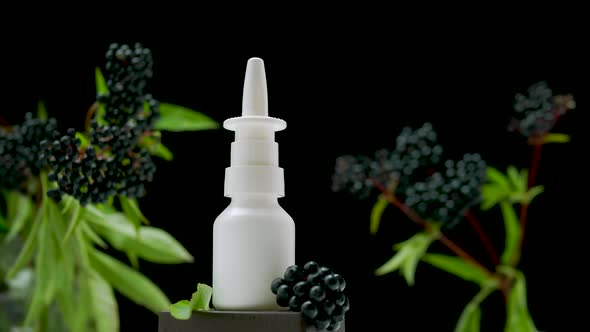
(3, 227)
(163, 152)
(201, 299)
(513, 233)
(377, 212)
(515, 179)
(495, 176)
(23, 210)
(409, 254)
(470, 318)
(42, 111)
(556, 138)
(518, 316)
(131, 209)
(533, 192)
(104, 304)
(101, 84)
(28, 248)
(181, 310)
(133, 259)
(456, 266)
(90, 234)
(83, 139)
(129, 282)
(178, 118)
(524, 180)
(150, 243)
(46, 260)
(75, 219)
(492, 194)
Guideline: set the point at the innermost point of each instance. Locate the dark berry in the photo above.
(338, 314)
(292, 273)
(295, 303)
(322, 321)
(324, 271)
(334, 326)
(311, 267)
(275, 285)
(301, 288)
(309, 310)
(317, 293)
(346, 305)
(283, 295)
(341, 281)
(328, 306)
(339, 298)
(331, 282)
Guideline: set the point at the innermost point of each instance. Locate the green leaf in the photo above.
(150, 243)
(532, 193)
(556, 138)
(156, 148)
(131, 209)
(181, 310)
(201, 299)
(492, 194)
(133, 259)
(457, 266)
(495, 176)
(88, 232)
(3, 227)
(129, 282)
(513, 233)
(104, 304)
(75, 219)
(515, 179)
(178, 118)
(23, 209)
(46, 260)
(41, 111)
(518, 317)
(470, 318)
(30, 243)
(101, 84)
(377, 212)
(83, 139)
(163, 152)
(409, 254)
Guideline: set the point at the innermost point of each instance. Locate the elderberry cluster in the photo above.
(316, 292)
(447, 195)
(113, 162)
(20, 153)
(537, 113)
(415, 173)
(416, 153)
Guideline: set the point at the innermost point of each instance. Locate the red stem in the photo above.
(412, 215)
(483, 237)
(535, 164)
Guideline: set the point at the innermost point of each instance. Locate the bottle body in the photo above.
(253, 243)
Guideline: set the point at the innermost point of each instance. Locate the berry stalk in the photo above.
(483, 237)
(419, 221)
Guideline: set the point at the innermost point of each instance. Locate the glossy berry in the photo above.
(309, 310)
(332, 282)
(275, 285)
(316, 292)
(334, 326)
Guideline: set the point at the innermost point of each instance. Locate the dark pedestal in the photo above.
(237, 321)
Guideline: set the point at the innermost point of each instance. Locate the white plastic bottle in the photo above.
(253, 238)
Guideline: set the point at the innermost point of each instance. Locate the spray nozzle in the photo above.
(254, 165)
(255, 101)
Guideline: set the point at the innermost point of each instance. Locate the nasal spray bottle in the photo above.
(253, 238)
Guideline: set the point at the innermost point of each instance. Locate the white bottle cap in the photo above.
(254, 166)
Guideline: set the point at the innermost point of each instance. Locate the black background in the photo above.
(345, 85)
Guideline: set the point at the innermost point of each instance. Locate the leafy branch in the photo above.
(436, 195)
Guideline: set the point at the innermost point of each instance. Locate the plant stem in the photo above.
(534, 169)
(90, 115)
(412, 215)
(483, 237)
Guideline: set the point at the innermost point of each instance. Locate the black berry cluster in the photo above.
(20, 153)
(447, 195)
(113, 163)
(316, 292)
(415, 155)
(537, 113)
